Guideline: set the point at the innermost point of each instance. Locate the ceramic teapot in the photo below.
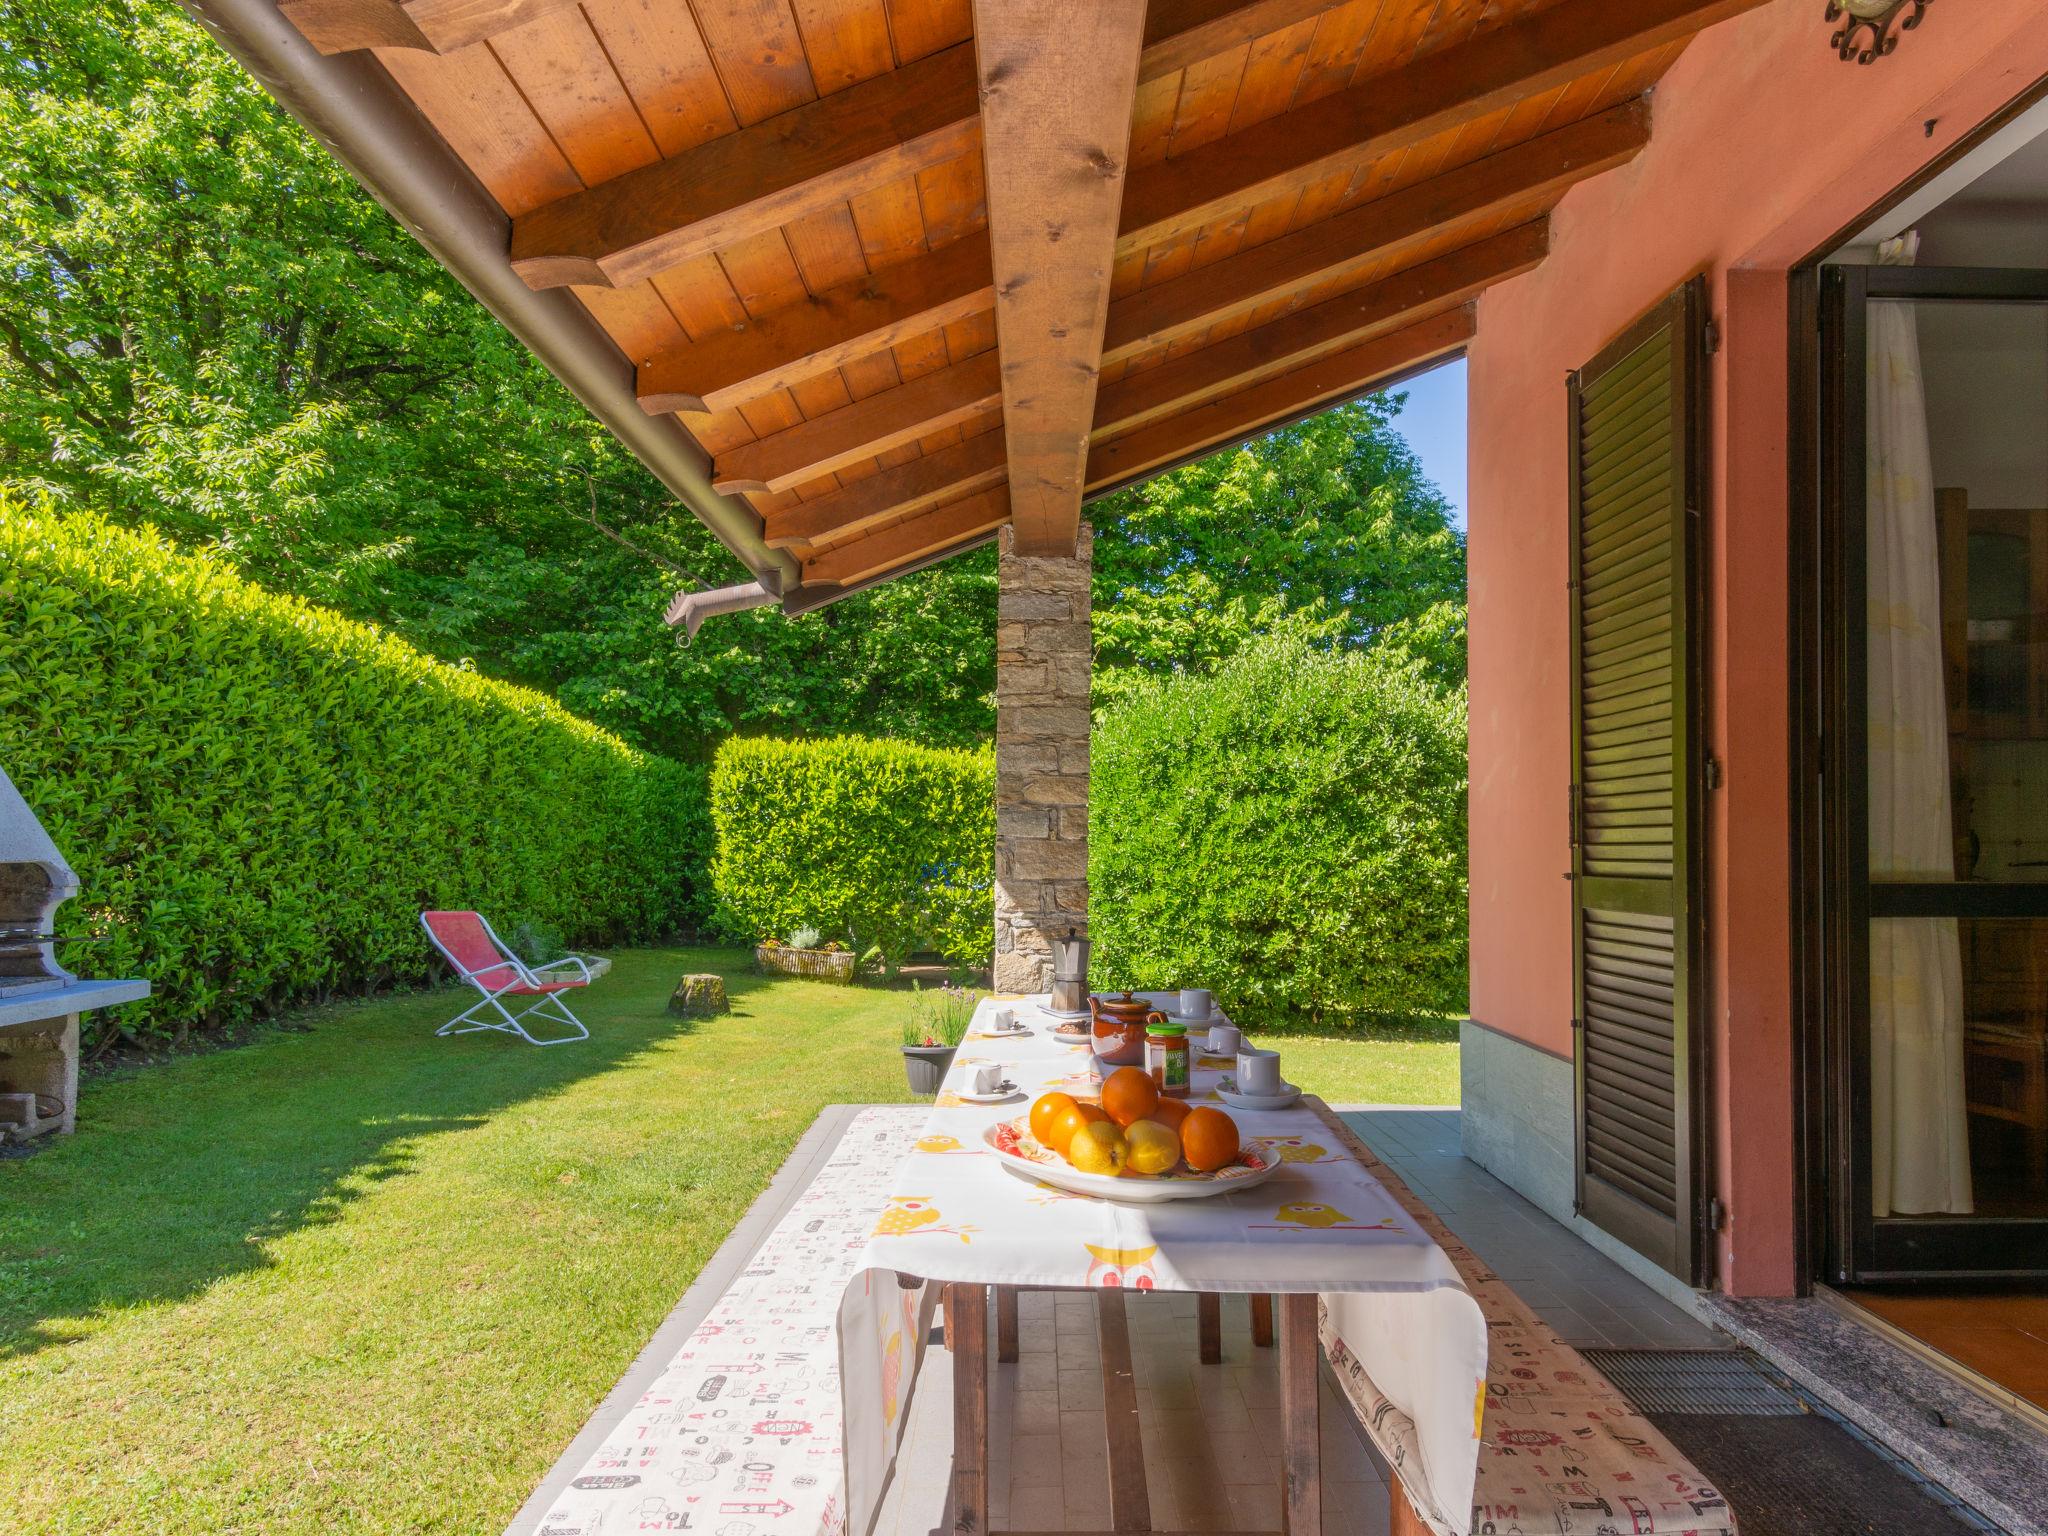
(1119, 1028)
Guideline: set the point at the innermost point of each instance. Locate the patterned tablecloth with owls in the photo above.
(1323, 1223)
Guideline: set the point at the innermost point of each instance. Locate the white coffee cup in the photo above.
(988, 1079)
(1196, 1003)
(1003, 1019)
(1225, 1040)
(1258, 1071)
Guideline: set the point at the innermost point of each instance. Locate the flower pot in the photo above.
(926, 1066)
(825, 964)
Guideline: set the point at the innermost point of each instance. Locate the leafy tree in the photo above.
(1327, 525)
(206, 325)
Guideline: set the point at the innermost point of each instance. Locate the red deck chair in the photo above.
(481, 959)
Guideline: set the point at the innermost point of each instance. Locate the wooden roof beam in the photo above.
(945, 397)
(912, 539)
(807, 159)
(432, 26)
(1345, 321)
(1327, 380)
(821, 332)
(970, 465)
(1282, 343)
(874, 312)
(1058, 85)
(1531, 174)
(1402, 107)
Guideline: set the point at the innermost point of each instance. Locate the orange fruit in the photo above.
(1045, 1109)
(1170, 1113)
(1068, 1122)
(1129, 1094)
(1208, 1139)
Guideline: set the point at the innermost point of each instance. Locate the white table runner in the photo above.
(1321, 1224)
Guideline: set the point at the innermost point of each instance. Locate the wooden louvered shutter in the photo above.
(1636, 493)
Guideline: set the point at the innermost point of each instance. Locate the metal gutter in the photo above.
(357, 111)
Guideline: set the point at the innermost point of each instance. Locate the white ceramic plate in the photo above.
(1229, 1095)
(1020, 1152)
(1002, 1095)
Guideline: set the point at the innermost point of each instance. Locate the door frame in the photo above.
(1846, 1243)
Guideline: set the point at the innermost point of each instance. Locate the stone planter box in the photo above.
(825, 964)
(926, 1066)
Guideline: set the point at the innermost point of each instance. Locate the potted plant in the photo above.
(934, 1030)
(801, 956)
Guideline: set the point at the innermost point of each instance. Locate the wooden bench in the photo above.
(1561, 1449)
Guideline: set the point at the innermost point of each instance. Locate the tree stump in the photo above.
(697, 997)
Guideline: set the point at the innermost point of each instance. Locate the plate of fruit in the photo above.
(1132, 1146)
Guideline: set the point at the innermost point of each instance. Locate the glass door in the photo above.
(1935, 489)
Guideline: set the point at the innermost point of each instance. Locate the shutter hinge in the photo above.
(1713, 771)
(1711, 336)
(1717, 1214)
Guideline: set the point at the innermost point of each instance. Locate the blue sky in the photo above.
(1433, 421)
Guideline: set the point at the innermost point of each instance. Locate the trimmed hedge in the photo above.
(877, 844)
(260, 797)
(1288, 831)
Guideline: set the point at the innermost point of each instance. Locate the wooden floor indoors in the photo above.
(2000, 1336)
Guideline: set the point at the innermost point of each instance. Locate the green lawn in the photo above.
(356, 1278)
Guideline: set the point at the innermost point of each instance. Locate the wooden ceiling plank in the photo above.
(660, 57)
(845, 41)
(427, 26)
(799, 162)
(811, 152)
(909, 540)
(1058, 83)
(825, 331)
(1405, 106)
(925, 26)
(806, 449)
(1374, 230)
(1344, 321)
(567, 78)
(1179, 33)
(1328, 379)
(932, 478)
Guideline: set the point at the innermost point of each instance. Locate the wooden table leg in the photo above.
(968, 1504)
(1006, 1324)
(1209, 1324)
(1130, 1504)
(1301, 1444)
(1262, 1320)
(1402, 1520)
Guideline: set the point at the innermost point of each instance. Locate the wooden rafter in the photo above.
(911, 539)
(810, 157)
(820, 333)
(945, 397)
(1283, 343)
(1236, 416)
(433, 26)
(1345, 321)
(912, 486)
(1057, 87)
(1401, 108)
(798, 163)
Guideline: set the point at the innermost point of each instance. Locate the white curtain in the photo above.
(1919, 1125)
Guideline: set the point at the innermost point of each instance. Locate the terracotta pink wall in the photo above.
(1765, 146)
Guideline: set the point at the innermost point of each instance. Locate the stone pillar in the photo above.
(1044, 658)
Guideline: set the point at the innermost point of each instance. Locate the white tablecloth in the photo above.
(1321, 1224)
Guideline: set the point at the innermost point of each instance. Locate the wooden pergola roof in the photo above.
(910, 269)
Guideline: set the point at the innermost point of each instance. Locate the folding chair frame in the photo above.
(548, 1006)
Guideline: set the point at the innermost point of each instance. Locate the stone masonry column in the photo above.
(1044, 658)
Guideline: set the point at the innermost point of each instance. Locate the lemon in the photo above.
(1098, 1147)
(1154, 1147)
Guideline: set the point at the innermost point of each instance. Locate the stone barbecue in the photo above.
(40, 1001)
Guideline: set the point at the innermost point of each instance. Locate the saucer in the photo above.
(1002, 1095)
(1227, 1092)
(1192, 1022)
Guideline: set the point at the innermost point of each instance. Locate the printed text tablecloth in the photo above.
(1322, 1223)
